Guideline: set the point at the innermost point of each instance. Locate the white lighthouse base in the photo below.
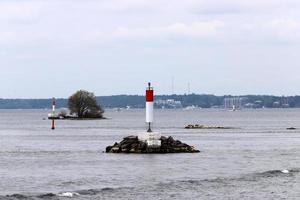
(151, 138)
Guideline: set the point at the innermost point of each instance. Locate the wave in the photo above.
(247, 177)
(163, 187)
(63, 195)
(91, 192)
(276, 173)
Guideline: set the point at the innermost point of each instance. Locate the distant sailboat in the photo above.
(233, 108)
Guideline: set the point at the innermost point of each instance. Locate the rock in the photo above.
(108, 148)
(291, 128)
(115, 149)
(189, 126)
(131, 137)
(131, 144)
(197, 126)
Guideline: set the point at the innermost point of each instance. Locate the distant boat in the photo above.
(233, 108)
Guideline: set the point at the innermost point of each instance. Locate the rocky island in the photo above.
(150, 142)
(197, 126)
(132, 144)
(82, 105)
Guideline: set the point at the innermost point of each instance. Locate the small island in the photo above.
(197, 126)
(82, 105)
(150, 142)
(132, 144)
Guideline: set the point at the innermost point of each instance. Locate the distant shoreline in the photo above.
(165, 101)
(124, 109)
(77, 118)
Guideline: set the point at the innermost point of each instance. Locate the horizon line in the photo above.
(229, 95)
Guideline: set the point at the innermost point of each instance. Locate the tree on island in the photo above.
(84, 105)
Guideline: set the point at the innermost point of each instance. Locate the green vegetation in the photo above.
(84, 105)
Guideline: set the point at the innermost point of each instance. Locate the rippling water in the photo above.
(242, 163)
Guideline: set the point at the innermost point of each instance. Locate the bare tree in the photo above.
(63, 113)
(84, 105)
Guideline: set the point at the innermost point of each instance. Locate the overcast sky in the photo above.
(55, 47)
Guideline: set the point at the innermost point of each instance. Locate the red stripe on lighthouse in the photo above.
(149, 95)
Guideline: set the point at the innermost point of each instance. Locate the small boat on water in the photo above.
(233, 108)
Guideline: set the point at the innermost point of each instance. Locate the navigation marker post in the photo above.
(53, 114)
(149, 106)
(149, 141)
(151, 138)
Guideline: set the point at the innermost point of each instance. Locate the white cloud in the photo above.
(125, 5)
(285, 29)
(285, 24)
(207, 36)
(7, 36)
(94, 21)
(15, 11)
(196, 29)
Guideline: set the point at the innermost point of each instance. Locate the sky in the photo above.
(52, 48)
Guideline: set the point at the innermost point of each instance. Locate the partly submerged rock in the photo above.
(197, 126)
(132, 144)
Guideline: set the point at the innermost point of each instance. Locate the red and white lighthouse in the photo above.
(151, 138)
(149, 106)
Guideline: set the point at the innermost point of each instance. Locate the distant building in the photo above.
(234, 102)
(249, 105)
(285, 102)
(168, 103)
(276, 104)
(258, 104)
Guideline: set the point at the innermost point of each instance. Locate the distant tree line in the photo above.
(31, 103)
(136, 101)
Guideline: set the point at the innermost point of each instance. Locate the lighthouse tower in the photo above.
(149, 106)
(152, 138)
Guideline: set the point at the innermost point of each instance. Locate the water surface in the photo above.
(242, 163)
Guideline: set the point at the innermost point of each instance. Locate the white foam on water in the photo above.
(285, 171)
(68, 194)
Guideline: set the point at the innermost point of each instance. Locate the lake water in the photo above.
(242, 163)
